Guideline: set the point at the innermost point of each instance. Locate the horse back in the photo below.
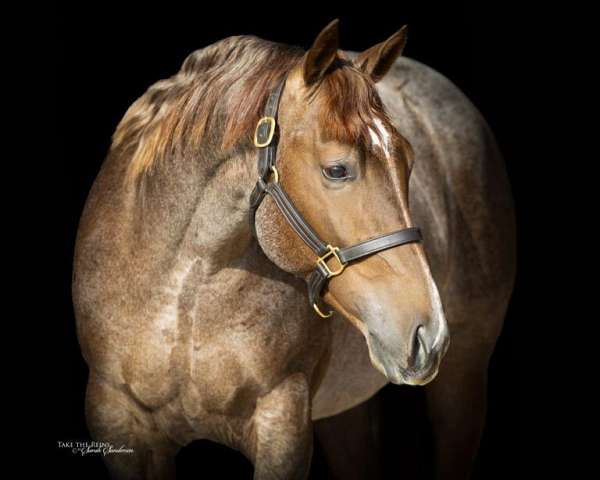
(459, 191)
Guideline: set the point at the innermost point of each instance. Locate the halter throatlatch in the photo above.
(266, 139)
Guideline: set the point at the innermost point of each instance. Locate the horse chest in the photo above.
(242, 334)
(349, 378)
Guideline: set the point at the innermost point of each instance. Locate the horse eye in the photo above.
(335, 172)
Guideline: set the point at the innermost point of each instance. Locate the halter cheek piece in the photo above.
(265, 139)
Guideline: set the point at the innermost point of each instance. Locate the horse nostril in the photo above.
(418, 349)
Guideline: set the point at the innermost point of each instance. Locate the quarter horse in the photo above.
(194, 321)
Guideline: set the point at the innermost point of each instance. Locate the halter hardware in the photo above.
(270, 123)
(316, 281)
(275, 173)
(320, 313)
(322, 262)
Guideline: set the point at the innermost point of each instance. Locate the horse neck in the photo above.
(197, 209)
(220, 224)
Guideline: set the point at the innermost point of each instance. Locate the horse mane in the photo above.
(219, 95)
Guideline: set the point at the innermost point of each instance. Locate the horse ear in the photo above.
(377, 60)
(322, 53)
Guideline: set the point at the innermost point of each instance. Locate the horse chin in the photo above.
(413, 380)
(400, 376)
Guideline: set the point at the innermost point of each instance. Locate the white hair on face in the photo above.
(382, 134)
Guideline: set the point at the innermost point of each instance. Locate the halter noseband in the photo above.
(265, 139)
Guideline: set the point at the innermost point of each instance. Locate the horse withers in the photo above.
(194, 329)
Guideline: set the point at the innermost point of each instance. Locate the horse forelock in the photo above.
(350, 109)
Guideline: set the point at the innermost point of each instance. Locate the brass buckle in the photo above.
(271, 122)
(321, 314)
(333, 252)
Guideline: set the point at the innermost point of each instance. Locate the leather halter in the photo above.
(266, 139)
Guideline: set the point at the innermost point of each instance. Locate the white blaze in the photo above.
(383, 135)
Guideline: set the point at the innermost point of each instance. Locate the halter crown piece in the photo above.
(265, 139)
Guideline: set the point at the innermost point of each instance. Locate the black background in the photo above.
(110, 54)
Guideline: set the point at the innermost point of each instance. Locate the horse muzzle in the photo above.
(412, 362)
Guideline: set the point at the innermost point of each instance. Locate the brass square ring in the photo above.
(322, 261)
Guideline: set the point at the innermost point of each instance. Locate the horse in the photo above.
(194, 328)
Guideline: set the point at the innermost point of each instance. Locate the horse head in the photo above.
(346, 168)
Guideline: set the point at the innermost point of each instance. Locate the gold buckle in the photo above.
(333, 251)
(321, 314)
(271, 122)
